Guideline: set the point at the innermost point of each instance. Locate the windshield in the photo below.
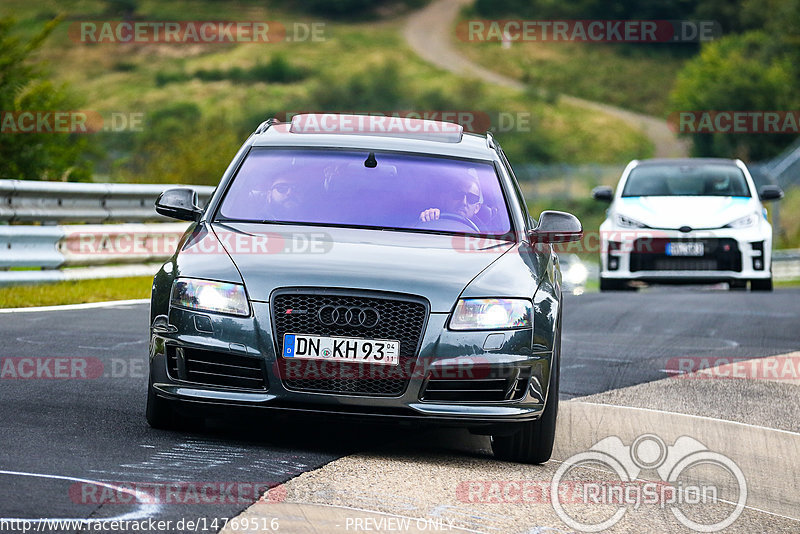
(367, 189)
(687, 180)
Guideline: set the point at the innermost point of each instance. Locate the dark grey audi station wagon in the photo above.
(364, 266)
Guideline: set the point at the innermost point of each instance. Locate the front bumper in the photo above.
(730, 254)
(452, 357)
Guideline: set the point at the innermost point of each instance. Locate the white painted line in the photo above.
(68, 307)
(143, 511)
(703, 417)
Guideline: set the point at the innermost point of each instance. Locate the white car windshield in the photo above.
(686, 180)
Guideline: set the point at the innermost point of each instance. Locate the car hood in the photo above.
(675, 211)
(437, 267)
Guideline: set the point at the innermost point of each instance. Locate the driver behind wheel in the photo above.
(285, 197)
(464, 198)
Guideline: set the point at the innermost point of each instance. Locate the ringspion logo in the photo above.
(682, 468)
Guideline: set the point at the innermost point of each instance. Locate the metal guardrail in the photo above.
(53, 247)
(113, 250)
(786, 264)
(51, 250)
(54, 202)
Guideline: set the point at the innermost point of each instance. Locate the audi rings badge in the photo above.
(348, 316)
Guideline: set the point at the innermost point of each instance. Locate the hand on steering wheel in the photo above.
(433, 214)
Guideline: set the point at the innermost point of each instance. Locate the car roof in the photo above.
(468, 145)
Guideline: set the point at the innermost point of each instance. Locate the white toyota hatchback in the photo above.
(690, 220)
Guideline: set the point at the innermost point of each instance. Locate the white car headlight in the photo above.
(491, 314)
(207, 295)
(627, 222)
(576, 274)
(743, 222)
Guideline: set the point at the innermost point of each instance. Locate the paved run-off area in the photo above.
(618, 349)
(741, 412)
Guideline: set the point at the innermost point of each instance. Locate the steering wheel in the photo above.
(455, 217)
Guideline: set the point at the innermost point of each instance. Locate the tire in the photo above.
(613, 284)
(159, 411)
(533, 444)
(761, 284)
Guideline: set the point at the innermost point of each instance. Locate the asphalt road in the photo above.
(57, 430)
(613, 340)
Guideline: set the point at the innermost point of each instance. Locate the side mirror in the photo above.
(603, 193)
(770, 192)
(180, 203)
(556, 227)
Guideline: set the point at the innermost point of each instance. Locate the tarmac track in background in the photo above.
(94, 429)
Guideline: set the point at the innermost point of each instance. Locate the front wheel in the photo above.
(761, 284)
(533, 444)
(737, 284)
(614, 284)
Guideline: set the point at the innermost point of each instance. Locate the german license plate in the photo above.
(685, 249)
(351, 349)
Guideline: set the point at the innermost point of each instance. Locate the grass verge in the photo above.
(75, 292)
(631, 76)
(342, 71)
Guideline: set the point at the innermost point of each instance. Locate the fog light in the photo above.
(758, 255)
(613, 263)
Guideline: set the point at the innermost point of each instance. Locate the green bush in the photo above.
(353, 9)
(180, 145)
(739, 73)
(277, 70)
(24, 86)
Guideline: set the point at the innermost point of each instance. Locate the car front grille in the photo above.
(649, 254)
(402, 318)
(495, 386)
(215, 368)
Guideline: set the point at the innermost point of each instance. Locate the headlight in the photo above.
(576, 274)
(491, 314)
(207, 295)
(627, 222)
(743, 222)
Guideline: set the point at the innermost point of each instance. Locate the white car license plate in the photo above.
(685, 249)
(352, 349)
